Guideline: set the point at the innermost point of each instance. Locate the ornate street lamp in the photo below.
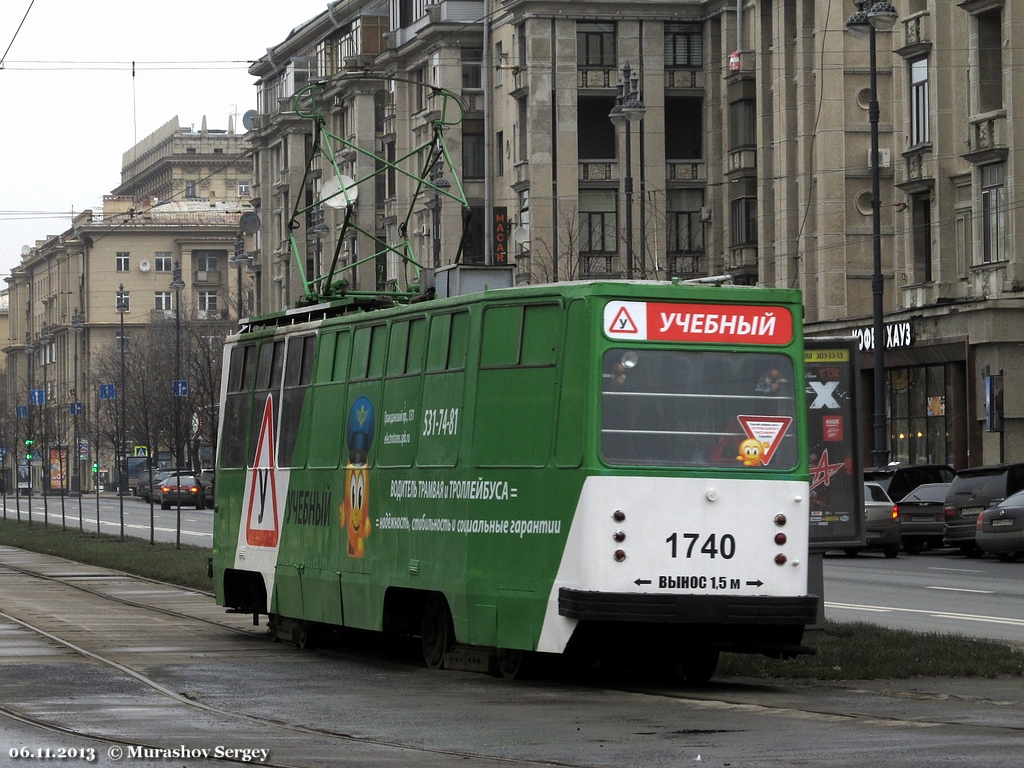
(29, 349)
(628, 109)
(77, 326)
(881, 15)
(176, 285)
(44, 346)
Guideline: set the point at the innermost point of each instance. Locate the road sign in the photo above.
(107, 392)
(37, 397)
(180, 387)
(22, 411)
(140, 451)
(76, 409)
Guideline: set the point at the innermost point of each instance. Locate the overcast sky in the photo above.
(71, 107)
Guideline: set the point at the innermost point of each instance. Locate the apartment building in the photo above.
(656, 140)
(64, 322)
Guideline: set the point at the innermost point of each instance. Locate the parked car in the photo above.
(152, 489)
(922, 517)
(900, 479)
(208, 477)
(881, 522)
(184, 490)
(1000, 529)
(971, 493)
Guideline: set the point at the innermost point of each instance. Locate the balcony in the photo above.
(598, 266)
(917, 35)
(692, 79)
(686, 170)
(920, 167)
(987, 138)
(687, 264)
(597, 78)
(206, 277)
(599, 170)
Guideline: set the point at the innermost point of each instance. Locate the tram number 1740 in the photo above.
(713, 546)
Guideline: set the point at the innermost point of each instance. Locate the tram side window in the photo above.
(241, 373)
(443, 408)
(369, 350)
(515, 414)
(298, 375)
(400, 403)
(329, 397)
(268, 383)
(689, 408)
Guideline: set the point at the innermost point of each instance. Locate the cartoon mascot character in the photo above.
(355, 510)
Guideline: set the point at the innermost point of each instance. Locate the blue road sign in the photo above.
(76, 409)
(22, 411)
(107, 392)
(37, 396)
(180, 387)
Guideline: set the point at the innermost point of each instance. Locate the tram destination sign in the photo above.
(702, 323)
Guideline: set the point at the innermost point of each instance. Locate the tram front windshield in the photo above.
(688, 408)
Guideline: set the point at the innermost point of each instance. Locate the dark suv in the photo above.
(972, 492)
(900, 479)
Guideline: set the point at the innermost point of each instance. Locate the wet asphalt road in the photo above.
(366, 703)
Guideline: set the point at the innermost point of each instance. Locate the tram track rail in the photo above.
(709, 701)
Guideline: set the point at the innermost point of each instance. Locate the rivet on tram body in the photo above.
(712, 494)
(798, 498)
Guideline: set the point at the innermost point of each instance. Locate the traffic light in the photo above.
(95, 467)
(29, 442)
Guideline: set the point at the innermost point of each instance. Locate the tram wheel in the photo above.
(699, 664)
(511, 662)
(436, 631)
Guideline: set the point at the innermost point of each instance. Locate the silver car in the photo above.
(881, 522)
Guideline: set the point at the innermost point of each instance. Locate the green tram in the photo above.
(616, 470)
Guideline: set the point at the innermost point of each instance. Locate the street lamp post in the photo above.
(628, 109)
(122, 307)
(440, 182)
(45, 467)
(29, 349)
(176, 285)
(77, 326)
(881, 15)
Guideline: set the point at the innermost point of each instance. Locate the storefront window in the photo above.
(917, 398)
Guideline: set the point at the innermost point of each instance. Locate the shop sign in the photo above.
(897, 335)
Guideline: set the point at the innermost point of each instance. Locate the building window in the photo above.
(596, 139)
(919, 131)
(742, 122)
(162, 261)
(683, 46)
(918, 399)
(419, 77)
(499, 153)
(207, 301)
(123, 261)
(595, 44)
(244, 189)
(499, 61)
(206, 262)
(598, 221)
(993, 212)
(744, 221)
(684, 128)
(521, 128)
(162, 300)
(990, 61)
(474, 250)
(922, 237)
(523, 245)
(472, 68)
(126, 298)
(685, 227)
(190, 189)
(473, 149)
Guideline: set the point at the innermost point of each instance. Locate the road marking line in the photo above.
(935, 614)
(956, 570)
(972, 591)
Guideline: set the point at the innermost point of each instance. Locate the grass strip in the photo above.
(845, 650)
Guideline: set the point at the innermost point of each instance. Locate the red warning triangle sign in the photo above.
(263, 526)
(622, 322)
(767, 430)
